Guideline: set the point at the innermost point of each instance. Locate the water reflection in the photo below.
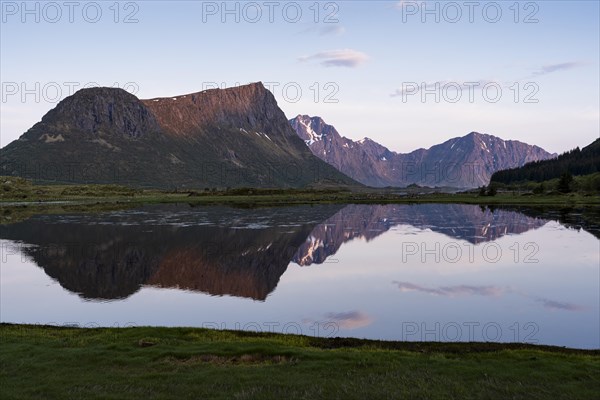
(221, 251)
(486, 291)
(374, 271)
(227, 251)
(473, 224)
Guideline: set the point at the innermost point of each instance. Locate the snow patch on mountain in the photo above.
(310, 132)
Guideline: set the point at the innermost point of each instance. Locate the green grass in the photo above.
(21, 199)
(25, 192)
(42, 362)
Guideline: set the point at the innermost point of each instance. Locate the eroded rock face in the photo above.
(462, 162)
(236, 137)
(249, 107)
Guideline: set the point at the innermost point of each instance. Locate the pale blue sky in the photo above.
(375, 48)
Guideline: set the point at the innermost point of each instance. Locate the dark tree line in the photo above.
(574, 162)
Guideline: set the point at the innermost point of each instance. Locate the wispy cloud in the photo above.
(451, 291)
(489, 291)
(337, 58)
(466, 85)
(331, 30)
(557, 305)
(548, 69)
(350, 319)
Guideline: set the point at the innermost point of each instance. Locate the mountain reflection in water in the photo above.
(226, 251)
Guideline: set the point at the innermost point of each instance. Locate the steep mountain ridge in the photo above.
(247, 107)
(462, 162)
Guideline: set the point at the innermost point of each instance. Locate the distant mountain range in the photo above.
(236, 137)
(576, 162)
(461, 162)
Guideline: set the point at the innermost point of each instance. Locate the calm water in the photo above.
(406, 272)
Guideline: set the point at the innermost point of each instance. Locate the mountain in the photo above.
(216, 138)
(576, 162)
(462, 162)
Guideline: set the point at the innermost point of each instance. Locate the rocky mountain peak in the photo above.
(310, 129)
(102, 110)
(475, 134)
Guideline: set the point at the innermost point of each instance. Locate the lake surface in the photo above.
(434, 272)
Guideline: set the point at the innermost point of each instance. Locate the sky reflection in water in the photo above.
(408, 272)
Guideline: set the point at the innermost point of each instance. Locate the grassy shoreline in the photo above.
(14, 211)
(61, 362)
(282, 197)
(19, 191)
(99, 198)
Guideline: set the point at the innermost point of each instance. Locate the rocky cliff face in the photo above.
(215, 138)
(463, 162)
(250, 107)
